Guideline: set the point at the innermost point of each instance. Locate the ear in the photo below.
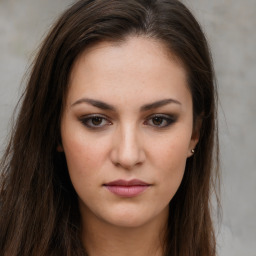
(195, 136)
(60, 148)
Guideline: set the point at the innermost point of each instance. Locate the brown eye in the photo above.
(95, 122)
(157, 120)
(160, 120)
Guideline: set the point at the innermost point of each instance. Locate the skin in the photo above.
(127, 142)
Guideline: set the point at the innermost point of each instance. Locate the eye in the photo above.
(160, 120)
(95, 121)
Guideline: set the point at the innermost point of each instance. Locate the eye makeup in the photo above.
(160, 120)
(95, 121)
(99, 121)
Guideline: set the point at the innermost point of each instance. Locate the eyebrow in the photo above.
(106, 106)
(95, 103)
(158, 104)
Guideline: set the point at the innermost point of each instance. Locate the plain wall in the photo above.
(230, 26)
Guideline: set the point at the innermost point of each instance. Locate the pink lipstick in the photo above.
(125, 188)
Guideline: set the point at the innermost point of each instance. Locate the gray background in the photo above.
(230, 27)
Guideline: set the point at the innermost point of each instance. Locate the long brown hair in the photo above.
(39, 213)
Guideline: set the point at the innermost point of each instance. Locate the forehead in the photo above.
(138, 66)
(130, 49)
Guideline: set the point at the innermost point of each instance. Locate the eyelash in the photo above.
(167, 119)
(88, 119)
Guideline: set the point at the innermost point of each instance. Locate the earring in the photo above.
(192, 151)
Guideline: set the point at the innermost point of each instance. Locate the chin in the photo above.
(133, 218)
(128, 221)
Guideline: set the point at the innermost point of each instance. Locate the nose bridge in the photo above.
(128, 139)
(128, 148)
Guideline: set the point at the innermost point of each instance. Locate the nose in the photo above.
(127, 151)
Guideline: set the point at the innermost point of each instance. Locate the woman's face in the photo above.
(127, 130)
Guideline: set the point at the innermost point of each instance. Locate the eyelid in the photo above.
(170, 119)
(85, 118)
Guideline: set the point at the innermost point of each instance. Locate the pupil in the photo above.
(96, 120)
(157, 120)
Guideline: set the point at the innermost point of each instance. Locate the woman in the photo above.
(113, 149)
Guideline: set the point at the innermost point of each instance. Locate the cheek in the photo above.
(171, 151)
(84, 161)
(169, 160)
(84, 157)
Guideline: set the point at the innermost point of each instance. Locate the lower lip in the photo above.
(127, 191)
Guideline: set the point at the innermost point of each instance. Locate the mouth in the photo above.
(124, 188)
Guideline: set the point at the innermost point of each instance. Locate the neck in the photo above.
(103, 239)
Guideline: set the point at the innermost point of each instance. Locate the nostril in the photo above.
(127, 151)
(127, 159)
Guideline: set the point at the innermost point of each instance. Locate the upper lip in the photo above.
(134, 182)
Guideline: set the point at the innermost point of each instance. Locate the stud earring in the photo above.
(192, 151)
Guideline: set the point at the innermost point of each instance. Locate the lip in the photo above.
(125, 188)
